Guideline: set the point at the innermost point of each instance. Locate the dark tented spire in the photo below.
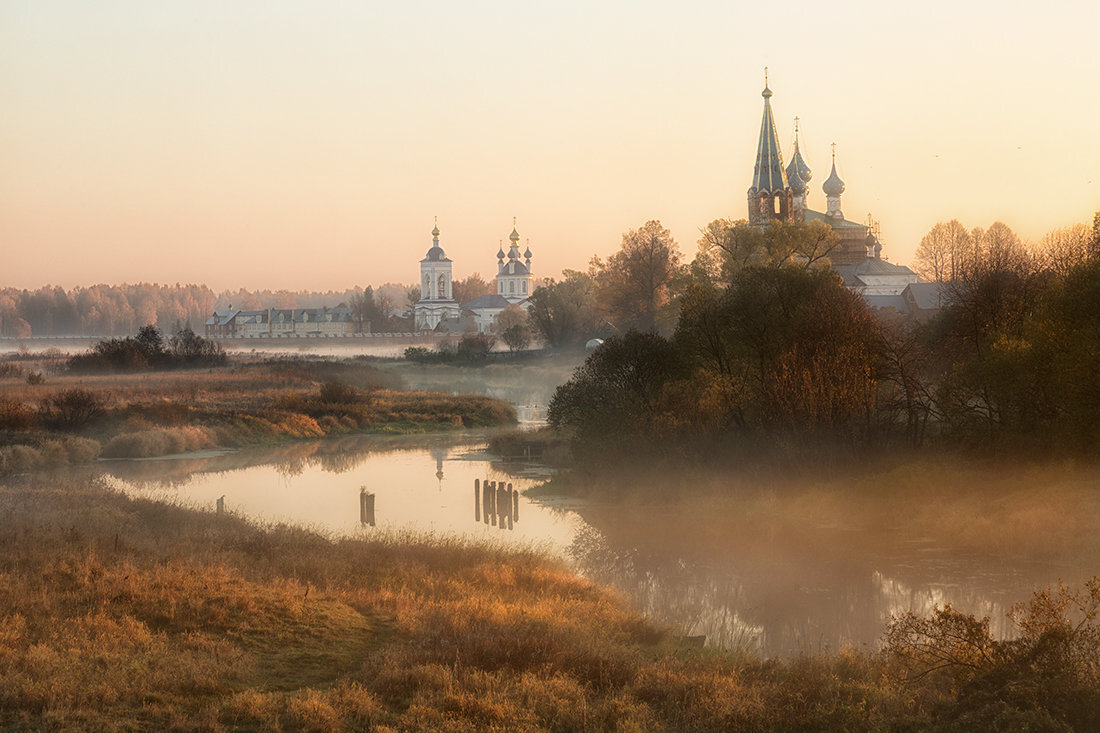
(768, 174)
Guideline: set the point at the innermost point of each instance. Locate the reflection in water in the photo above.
(501, 503)
(348, 486)
(366, 507)
(778, 572)
(773, 577)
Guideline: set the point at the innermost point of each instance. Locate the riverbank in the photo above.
(127, 614)
(71, 419)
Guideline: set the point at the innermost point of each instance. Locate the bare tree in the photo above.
(942, 252)
(1060, 249)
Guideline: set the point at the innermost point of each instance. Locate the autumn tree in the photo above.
(792, 352)
(632, 285)
(943, 251)
(733, 246)
(616, 402)
(473, 286)
(564, 313)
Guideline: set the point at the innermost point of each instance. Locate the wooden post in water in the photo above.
(477, 500)
(508, 494)
(492, 500)
(366, 507)
(221, 504)
(485, 501)
(515, 504)
(504, 505)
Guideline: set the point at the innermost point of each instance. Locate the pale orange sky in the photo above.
(309, 145)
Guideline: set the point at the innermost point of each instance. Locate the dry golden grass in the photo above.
(158, 413)
(123, 614)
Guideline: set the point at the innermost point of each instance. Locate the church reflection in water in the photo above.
(496, 503)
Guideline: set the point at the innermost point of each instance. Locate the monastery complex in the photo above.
(778, 193)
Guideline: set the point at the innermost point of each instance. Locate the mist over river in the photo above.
(778, 567)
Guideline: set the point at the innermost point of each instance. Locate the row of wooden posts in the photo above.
(501, 503)
(500, 500)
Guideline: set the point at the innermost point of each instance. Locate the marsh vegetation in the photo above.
(74, 417)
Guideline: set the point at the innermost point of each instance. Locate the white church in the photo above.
(514, 285)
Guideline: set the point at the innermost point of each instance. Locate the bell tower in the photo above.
(770, 197)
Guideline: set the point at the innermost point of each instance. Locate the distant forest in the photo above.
(120, 310)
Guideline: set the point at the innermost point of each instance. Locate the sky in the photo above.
(312, 145)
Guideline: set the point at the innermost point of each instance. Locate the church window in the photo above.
(524, 287)
(511, 287)
(775, 205)
(442, 287)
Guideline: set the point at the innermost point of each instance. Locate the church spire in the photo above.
(768, 174)
(770, 196)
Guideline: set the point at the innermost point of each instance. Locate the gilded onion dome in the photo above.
(436, 253)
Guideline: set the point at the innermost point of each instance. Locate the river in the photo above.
(776, 568)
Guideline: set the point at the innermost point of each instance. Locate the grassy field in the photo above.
(74, 419)
(126, 614)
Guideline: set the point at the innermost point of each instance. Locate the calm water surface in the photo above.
(778, 575)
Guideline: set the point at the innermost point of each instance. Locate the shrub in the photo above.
(72, 408)
(35, 378)
(338, 392)
(148, 350)
(1046, 678)
(10, 369)
(162, 442)
(15, 415)
(19, 458)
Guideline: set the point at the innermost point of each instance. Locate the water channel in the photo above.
(775, 571)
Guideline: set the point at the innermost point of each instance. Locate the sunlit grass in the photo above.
(160, 413)
(120, 613)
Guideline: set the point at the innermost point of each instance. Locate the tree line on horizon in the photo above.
(757, 348)
(120, 310)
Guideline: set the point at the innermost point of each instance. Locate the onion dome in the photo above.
(527, 254)
(798, 186)
(514, 236)
(436, 253)
(798, 166)
(500, 253)
(833, 186)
